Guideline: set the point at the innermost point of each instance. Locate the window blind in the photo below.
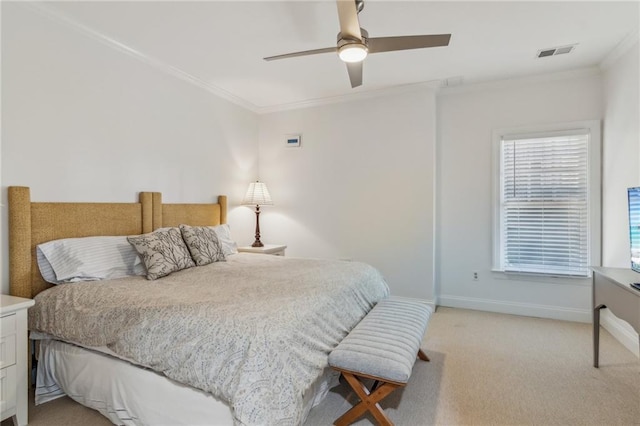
(544, 205)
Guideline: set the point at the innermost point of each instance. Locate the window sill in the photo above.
(542, 278)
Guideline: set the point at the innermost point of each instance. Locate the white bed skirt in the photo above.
(130, 395)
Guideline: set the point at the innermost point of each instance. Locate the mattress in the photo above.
(130, 395)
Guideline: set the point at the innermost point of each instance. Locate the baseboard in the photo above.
(515, 308)
(620, 330)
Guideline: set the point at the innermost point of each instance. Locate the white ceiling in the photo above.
(220, 44)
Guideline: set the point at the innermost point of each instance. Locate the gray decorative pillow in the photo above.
(203, 244)
(162, 251)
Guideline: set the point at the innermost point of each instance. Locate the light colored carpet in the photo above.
(485, 369)
(494, 369)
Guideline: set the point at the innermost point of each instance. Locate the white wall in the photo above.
(360, 187)
(82, 121)
(466, 119)
(621, 154)
(621, 170)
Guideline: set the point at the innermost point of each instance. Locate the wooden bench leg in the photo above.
(423, 356)
(368, 401)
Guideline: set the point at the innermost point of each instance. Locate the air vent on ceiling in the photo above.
(555, 51)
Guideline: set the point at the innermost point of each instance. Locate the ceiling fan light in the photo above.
(353, 52)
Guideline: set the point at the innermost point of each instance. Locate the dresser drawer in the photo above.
(7, 340)
(8, 325)
(7, 350)
(7, 389)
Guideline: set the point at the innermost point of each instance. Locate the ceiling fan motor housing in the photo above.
(342, 41)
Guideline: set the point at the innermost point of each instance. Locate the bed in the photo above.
(241, 341)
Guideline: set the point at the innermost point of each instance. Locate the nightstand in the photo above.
(14, 377)
(273, 249)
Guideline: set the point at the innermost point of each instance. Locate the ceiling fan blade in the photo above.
(303, 53)
(355, 73)
(389, 44)
(348, 16)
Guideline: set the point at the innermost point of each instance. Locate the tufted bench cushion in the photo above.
(385, 343)
(383, 346)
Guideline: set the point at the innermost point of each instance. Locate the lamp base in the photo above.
(257, 242)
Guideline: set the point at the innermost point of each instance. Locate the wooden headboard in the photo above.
(165, 215)
(33, 223)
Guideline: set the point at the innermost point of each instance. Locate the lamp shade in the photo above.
(257, 195)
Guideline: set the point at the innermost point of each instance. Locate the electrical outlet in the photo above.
(475, 276)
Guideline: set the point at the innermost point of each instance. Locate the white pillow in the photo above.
(88, 259)
(224, 238)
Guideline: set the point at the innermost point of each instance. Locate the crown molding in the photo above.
(60, 18)
(519, 81)
(621, 48)
(49, 12)
(352, 97)
(434, 85)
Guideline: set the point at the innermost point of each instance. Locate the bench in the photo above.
(383, 347)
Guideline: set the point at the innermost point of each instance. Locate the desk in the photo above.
(611, 290)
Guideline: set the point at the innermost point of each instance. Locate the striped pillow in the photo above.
(88, 259)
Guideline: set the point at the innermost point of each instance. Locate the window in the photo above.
(547, 200)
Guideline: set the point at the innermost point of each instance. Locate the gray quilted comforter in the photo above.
(254, 331)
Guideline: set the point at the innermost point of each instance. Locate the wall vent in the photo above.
(555, 51)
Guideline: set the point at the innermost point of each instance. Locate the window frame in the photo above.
(594, 183)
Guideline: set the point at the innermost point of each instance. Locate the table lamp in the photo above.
(257, 195)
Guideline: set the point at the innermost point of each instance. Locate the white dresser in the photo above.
(14, 375)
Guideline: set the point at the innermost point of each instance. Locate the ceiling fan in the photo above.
(354, 43)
